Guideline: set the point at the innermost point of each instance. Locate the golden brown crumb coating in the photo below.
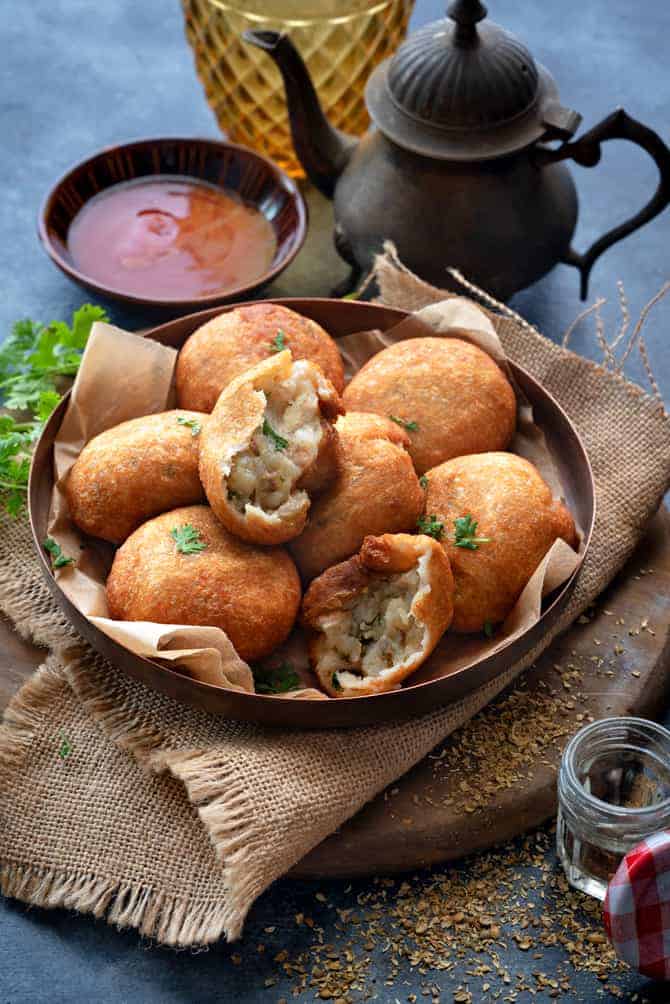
(513, 507)
(251, 593)
(233, 342)
(269, 445)
(454, 393)
(376, 491)
(134, 471)
(377, 617)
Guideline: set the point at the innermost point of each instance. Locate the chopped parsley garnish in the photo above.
(335, 682)
(33, 361)
(191, 423)
(423, 481)
(65, 748)
(466, 534)
(277, 680)
(431, 526)
(187, 539)
(278, 343)
(488, 629)
(410, 426)
(278, 441)
(58, 559)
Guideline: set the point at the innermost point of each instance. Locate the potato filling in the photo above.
(378, 633)
(283, 447)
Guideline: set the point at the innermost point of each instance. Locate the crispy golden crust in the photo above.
(376, 491)
(236, 417)
(380, 557)
(366, 425)
(233, 342)
(459, 397)
(134, 471)
(251, 593)
(514, 507)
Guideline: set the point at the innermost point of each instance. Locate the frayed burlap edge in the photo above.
(171, 920)
(210, 784)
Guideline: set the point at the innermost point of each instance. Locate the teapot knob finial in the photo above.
(466, 14)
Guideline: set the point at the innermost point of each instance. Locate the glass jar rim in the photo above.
(568, 772)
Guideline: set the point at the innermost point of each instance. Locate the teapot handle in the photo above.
(586, 151)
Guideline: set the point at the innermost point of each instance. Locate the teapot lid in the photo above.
(461, 90)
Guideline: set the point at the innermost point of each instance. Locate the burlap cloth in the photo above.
(173, 822)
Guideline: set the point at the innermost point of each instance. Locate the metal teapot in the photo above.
(456, 171)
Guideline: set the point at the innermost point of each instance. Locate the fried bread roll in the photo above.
(235, 341)
(450, 395)
(376, 491)
(134, 471)
(517, 520)
(377, 617)
(269, 444)
(183, 567)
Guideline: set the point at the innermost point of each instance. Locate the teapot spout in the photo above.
(322, 150)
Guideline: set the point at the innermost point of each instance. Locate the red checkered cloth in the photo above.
(637, 907)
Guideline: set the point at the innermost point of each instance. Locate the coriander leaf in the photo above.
(65, 748)
(336, 685)
(488, 629)
(278, 343)
(431, 526)
(15, 444)
(14, 502)
(466, 534)
(46, 403)
(58, 559)
(187, 539)
(33, 357)
(278, 441)
(278, 680)
(32, 361)
(410, 426)
(82, 322)
(423, 481)
(191, 423)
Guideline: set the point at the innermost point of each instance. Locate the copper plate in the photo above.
(259, 181)
(339, 318)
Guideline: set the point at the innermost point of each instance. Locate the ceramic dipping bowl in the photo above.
(255, 179)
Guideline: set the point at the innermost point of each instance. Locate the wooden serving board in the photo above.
(496, 777)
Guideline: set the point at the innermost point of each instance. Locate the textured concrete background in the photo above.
(75, 76)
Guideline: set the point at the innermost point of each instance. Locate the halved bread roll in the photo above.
(269, 444)
(377, 617)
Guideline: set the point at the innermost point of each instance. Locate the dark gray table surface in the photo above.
(77, 75)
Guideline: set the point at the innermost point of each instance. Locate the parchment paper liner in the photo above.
(125, 376)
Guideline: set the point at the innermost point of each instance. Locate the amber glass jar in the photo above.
(613, 791)
(341, 42)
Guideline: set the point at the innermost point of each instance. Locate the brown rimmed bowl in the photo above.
(258, 181)
(339, 317)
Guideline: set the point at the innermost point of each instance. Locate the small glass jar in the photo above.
(613, 791)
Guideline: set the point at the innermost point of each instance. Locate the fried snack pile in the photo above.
(403, 517)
